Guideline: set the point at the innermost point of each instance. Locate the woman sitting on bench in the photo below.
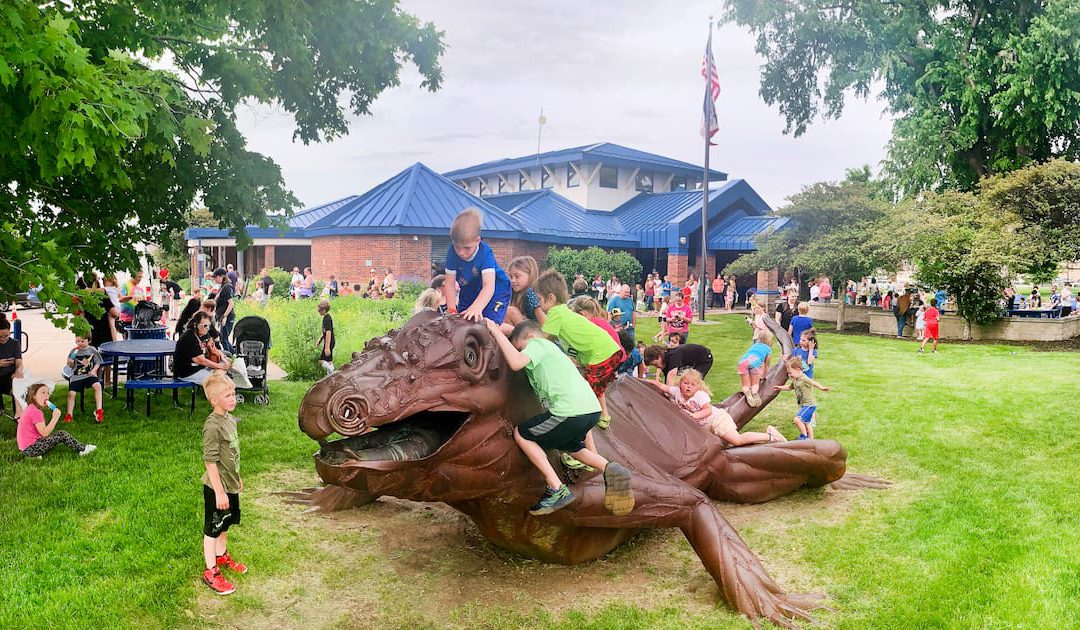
(196, 356)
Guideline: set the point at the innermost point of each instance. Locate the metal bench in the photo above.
(157, 384)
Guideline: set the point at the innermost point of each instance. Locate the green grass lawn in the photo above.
(977, 531)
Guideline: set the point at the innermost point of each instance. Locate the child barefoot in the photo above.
(573, 411)
(754, 364)
(804, 395)
(692, 395)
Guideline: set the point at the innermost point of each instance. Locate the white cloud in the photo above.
(626, 72)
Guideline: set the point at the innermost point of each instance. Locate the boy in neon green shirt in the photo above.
(597, 353)
(572, 411)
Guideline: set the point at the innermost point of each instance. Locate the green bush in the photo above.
(593, 261)
(296, 327)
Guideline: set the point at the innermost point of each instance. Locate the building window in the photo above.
(572, 180)
(678, 183)
(609, 177)
(643, 182)
(464, 184)
(523, 182)
(502, 185)
(483, 187)
(545, 179)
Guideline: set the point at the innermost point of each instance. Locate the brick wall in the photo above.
(506, 250)
(677, 269)
(767, 280)
(346, 257)
(269, 256)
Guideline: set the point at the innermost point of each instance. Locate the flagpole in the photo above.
(704, 254)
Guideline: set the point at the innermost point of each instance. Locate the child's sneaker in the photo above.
(226, 561)
(618, 495)
(99, 415)
(552, 500)
(88, 448)
(570, 463)
(67, 417)
(604, 422)
(217, 582)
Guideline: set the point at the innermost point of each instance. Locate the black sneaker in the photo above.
(618, 495)
(552, 500)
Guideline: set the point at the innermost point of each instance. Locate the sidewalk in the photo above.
(49, 348)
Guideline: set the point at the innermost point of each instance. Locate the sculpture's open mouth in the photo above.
(410, 439)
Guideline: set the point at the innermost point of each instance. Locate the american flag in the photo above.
(709, 125)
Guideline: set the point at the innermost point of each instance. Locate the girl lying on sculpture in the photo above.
(692, 395)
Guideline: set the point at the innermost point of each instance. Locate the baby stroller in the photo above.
(147, 315)
(251, 339)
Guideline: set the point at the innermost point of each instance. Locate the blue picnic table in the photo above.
(1036, 313)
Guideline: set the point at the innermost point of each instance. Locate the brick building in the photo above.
(602, 194)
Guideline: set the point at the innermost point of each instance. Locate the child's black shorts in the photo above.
(80, 383)
(210, 506)
(554, 432)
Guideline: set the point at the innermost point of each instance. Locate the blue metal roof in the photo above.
(417, 200)
(547, 213)
(740, 235)
(660, 219)
(297, 223)
(606, 152)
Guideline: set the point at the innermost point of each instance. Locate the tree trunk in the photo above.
(967, 330)
(840, 313)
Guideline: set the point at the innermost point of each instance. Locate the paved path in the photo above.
(49, 347)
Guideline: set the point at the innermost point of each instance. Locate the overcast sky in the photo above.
(625, 72)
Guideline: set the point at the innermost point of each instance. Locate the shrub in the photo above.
(296, 328)
(593, 261)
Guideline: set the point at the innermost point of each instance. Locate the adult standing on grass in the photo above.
(224, 311)
(787, 308)
(650, 292)
(307, 285)
(901, 306)
(327, 340)
(389, 285)
(266, 283)
(627, 315)
(717, 291)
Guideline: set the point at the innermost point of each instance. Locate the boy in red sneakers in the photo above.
(85, 365)
(221, 483)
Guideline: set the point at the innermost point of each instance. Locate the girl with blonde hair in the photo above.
(692, 395)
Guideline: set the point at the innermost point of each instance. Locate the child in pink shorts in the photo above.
(753, 365)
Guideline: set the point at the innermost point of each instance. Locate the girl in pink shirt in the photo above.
(36, 437)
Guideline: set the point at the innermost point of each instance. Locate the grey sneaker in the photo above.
(618, 495)
(90, 448)
(552, 500)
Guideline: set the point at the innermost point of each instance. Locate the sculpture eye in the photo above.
(470, 356)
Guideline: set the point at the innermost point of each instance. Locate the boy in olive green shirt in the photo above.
(221, 482)
(572, 411)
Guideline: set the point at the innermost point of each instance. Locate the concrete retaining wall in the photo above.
(826, 312)
(1006, 328)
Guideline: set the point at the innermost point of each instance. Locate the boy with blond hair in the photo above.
(221, 482)
(597, 353)
(804, 387)
(470, 263)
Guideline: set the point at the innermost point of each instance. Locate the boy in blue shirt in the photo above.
(485, 287)
(800, 322)
(806, 351)
(572, 411)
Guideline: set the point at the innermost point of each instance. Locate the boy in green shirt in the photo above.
(804, 386)
(597, 353)
(572, 410)
(221, 483)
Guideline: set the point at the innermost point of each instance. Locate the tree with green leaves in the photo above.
(836, 229)
(119, 117)
(1046, 200)
(977, 87)
(959, 242)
